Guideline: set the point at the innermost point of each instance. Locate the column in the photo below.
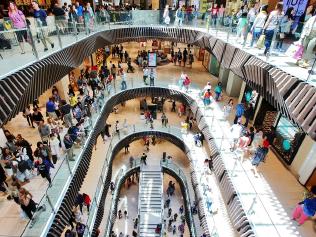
(234, 84)
(223, 76)
(155, 4)
(242, 91)
(3, 139)
(61, 85)
(304, 162)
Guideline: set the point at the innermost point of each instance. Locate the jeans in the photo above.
(70, 153)
(123, 85)
(309, 45)
(255, 35)
(268, 41)
(29, 120)
(152, 80)
(68, 120)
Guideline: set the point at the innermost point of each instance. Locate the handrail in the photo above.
(168, 164)
(54, 202)
(139, 200)
(136, 18)
(121, 176)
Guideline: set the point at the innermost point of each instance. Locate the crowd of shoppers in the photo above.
(61, 126)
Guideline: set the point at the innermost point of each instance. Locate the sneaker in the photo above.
(303, 65)
(45, 49)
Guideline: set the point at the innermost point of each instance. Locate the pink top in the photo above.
(17, 19)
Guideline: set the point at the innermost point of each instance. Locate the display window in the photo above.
(288, 139)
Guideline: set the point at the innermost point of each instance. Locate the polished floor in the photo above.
(276, 188)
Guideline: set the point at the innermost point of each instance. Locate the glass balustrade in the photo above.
(41, 41)
(55, 192)
(251, 197)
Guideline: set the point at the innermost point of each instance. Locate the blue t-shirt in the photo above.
(80, 11)
(41, 14)
(50, 107)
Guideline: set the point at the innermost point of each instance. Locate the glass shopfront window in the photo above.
(288, 139)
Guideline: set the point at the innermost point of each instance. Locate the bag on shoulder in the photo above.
(260, 42)
(23, 166)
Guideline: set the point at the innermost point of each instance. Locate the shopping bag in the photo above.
(249, 37)
(299, 52)
(295, 51)
(167, 20)
(260, 42)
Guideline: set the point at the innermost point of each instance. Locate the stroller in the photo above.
(259, 156)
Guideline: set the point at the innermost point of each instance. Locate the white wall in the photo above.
(3, 139)
(305, 160)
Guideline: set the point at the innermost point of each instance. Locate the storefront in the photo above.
(288, 139)
(288, 136)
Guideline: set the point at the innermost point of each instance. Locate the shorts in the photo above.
(21, 34)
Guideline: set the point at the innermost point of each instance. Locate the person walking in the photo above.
(258, 24)
(43, 168)
(240, 109)
(68, 142)
(152, 77)
(179, 17)
(28, 115)
(143, 158)
(218, 91)
(166, 16)
(271, 26)
(169, 212)
(19, 22)
(145, 76)
(305, 209)
(40, 19)
(123, 83)
(228, 108)
(207, 97)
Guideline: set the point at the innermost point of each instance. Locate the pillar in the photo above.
(223, 76)
(3, 139)
(155, 4)
(304, 162)
(62, 86)
(242, 91)
(259, 102)
(234, 84)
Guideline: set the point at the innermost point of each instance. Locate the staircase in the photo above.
(150, 200)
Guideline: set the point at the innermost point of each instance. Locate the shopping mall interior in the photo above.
(135, 125)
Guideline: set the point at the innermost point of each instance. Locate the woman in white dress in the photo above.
(228, 108)
(166, 18)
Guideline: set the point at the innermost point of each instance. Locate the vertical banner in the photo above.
(298, 5)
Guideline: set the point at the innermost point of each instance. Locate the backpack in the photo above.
(239, 110)
(22, 165)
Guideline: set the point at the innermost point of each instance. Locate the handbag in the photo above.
(249, 37)
(260, 42)
(282, 35)
(295, 51)
(299, 52)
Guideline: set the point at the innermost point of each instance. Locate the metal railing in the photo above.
(66, 32)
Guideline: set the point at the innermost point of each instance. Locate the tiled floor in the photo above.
(276, 187)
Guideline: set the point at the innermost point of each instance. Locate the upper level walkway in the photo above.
(269, 204)
(280, 88)
(11, 60)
